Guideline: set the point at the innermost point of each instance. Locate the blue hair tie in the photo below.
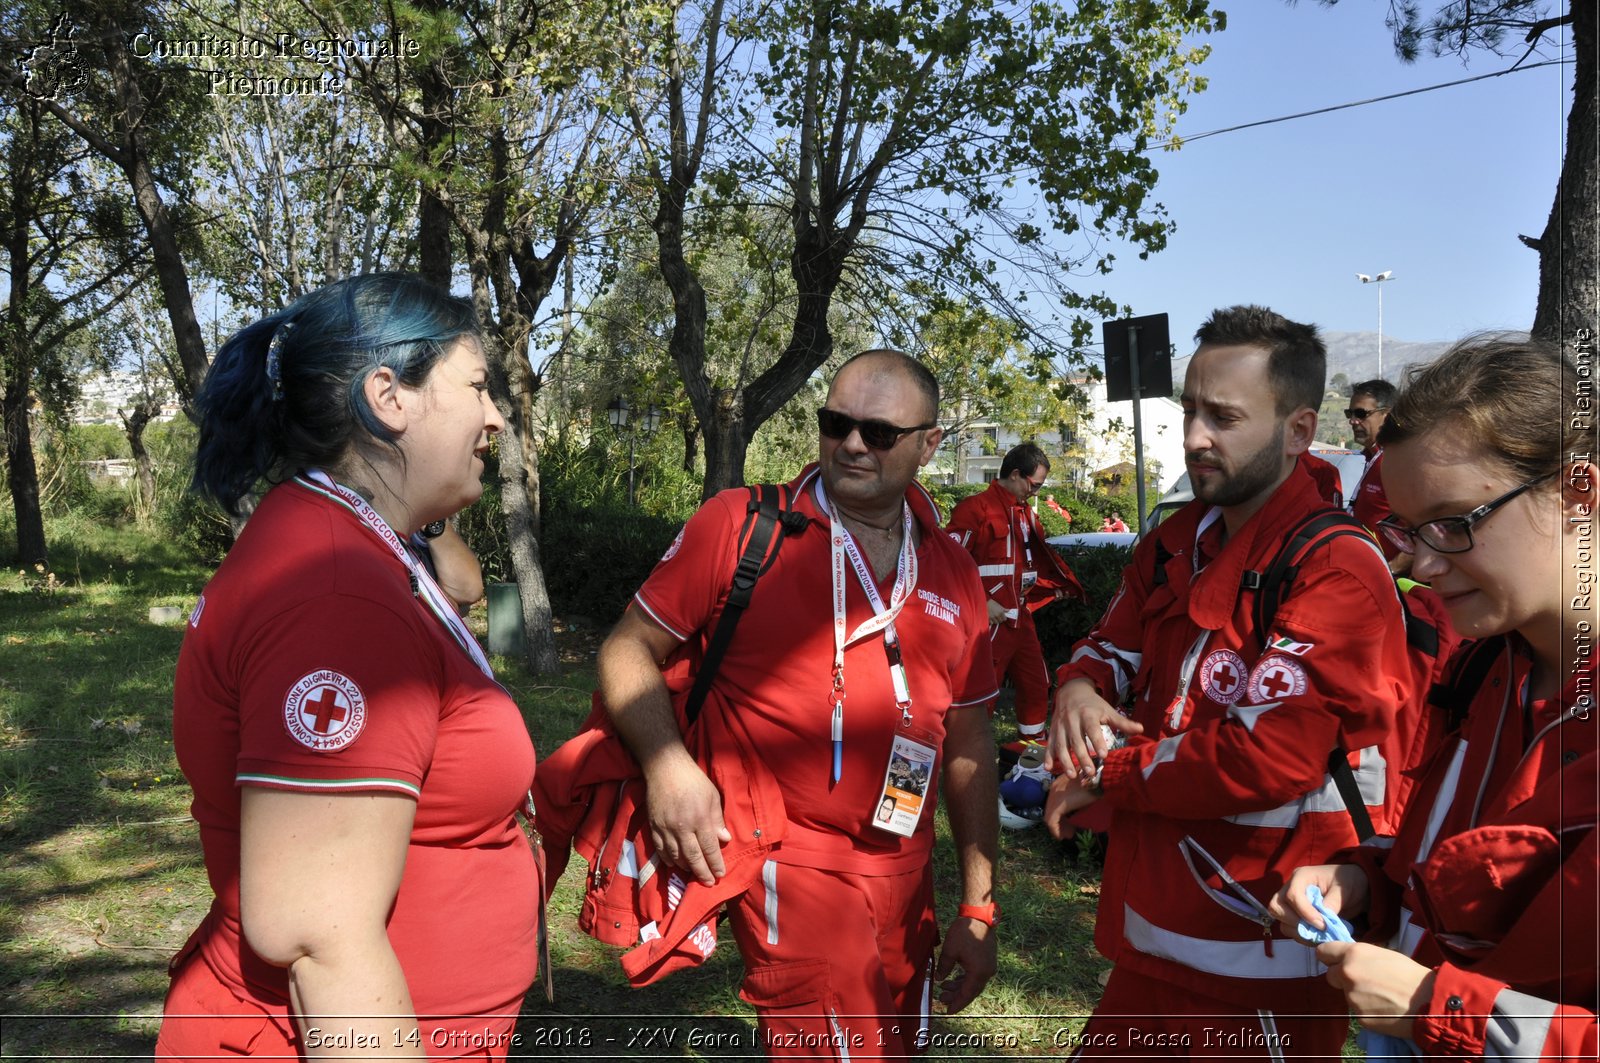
(275, 359)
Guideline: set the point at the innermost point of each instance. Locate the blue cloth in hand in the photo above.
(1375, 1045)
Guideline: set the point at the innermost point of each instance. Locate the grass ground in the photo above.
(101, 878)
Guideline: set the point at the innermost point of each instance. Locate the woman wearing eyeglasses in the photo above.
(1488, 898)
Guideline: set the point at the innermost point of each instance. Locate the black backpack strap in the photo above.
(1350, 792)
(1455, 693)
(1271, 584)
(763, 521)
(1163, 555)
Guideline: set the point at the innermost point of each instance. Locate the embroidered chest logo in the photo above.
(1276, 678)
(939, 606)
(325, 711)
(1222, 676)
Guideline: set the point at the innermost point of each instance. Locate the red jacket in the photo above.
(1017, 567)
(1226, 792)
(589, 797)
(1493, 876)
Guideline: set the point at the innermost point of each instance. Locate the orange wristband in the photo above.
(987, 914)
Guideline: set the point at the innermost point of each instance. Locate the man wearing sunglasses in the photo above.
(860, 669)
(1369, 407)
(1020, 575)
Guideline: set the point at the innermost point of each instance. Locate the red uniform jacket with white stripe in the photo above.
(1226, 792)
(1492, 878)
(1018, 569)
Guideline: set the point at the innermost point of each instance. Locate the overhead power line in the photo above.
(1362, 103)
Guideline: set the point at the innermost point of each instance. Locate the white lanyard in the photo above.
(1024, 532)
(843, 544)
(422, 580)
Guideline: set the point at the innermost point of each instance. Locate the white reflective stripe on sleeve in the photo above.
(1371, 780)
(1228, 959)
(1518, 1026)
(769, 880)
(1166, 749)
(995, 570)
(1284, 817)
(1124, 664)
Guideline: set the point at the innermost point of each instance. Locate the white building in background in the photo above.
(1099, 447)
(102, 395)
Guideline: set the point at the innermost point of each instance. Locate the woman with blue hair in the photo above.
(356, 768)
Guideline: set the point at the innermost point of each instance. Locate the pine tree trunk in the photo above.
(1569, 249)
(171, 272)
(22, 474)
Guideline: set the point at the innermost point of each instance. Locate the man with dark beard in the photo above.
(1222, 789)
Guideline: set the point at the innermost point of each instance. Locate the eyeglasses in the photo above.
(1449, 535)
(1354, 414)
(879, 435)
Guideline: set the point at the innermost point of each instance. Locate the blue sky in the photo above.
(1435, 186)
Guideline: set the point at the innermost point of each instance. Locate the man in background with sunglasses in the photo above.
(859, 672)
(1020, 574)
(1369, 407)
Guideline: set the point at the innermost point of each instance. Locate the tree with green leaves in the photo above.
(514, 85)
(1569, 247)
(70, 254)
(127, 113)
(957, 144)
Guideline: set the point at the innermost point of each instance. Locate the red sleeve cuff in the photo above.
(1456, 1019)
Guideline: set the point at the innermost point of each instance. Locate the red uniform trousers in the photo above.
(1139, 1017)
(836, 960)
(1017, 654)
(205, 1020)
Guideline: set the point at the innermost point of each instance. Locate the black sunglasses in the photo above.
(1449, 535)
(879, 435)
(1354, 414)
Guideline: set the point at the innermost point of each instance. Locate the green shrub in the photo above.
(595, 548)
(947, 495)
(1064, 623)
(183, 516)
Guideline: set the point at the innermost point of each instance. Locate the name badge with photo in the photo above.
(906, 784)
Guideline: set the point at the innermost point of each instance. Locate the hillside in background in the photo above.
(1355, 354)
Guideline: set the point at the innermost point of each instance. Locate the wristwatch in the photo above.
(433, 529)
(987, 914)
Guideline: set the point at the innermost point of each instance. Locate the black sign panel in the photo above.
(1155, 358)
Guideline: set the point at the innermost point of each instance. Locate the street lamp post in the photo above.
(1387, 274)
(618, 413)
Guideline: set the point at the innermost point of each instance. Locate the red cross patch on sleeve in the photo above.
(1275, 678)
(1222, 676)
(325, 711)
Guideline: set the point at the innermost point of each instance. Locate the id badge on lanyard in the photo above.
(911, 745)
